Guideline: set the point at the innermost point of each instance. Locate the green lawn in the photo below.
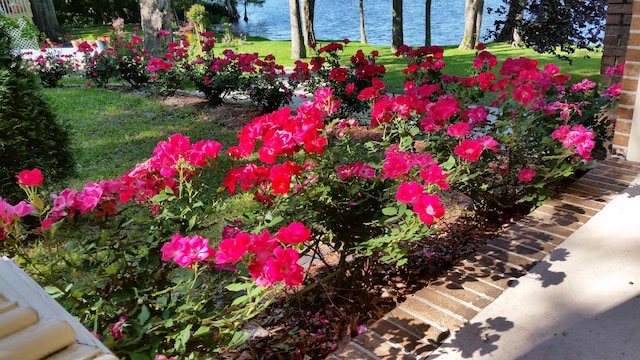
(113, 131)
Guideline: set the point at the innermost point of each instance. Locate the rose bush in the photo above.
(51, 65)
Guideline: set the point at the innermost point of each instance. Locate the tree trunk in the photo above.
(427, 23)
(363, 33)
(298, 51)
(156, 15)
(472, 24)
(44, 16)
(397, 36)
(308, 12)
(478, 22)
(511, 30)
(232, 11)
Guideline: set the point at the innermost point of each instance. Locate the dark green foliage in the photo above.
(94, 12)
(30, 136)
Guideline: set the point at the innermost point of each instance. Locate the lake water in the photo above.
(338, 19)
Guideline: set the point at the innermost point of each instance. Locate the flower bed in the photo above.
(186, 248)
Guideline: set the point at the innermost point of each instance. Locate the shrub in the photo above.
(30, 136)
(260, 79)
(51, 66)
(325, 69)
(131, 60)
(170, 72)
(99, 64)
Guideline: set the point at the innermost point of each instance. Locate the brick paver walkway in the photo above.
(416, 327)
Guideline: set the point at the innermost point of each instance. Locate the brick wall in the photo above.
(622, 43)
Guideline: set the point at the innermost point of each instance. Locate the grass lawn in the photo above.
(113, 131)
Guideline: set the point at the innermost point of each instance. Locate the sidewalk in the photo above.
(562, 283)
(581, 302)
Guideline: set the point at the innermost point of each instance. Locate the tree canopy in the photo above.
(557, 27)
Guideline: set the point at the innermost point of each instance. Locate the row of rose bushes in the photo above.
(503, 136)
(123, 57)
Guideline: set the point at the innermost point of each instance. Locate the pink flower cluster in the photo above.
(398, 164)
(9, 214)
(176, 156)
(270, 262)
(576, 137)
(427, 206)
(280, 135)
(116, 328)
(98, 197)
(188, 250)
(471, 149)
(355, 169)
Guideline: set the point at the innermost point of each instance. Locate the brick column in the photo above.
(622, 143)
(616, 35)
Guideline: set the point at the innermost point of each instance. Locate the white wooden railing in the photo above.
(16, 8)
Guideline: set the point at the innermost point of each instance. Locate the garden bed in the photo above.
(312, 324)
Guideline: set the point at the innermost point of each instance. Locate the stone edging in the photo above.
(415, 328)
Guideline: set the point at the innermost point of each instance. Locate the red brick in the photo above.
(632, 68)
(538, 231)
(484, 274)
(409, 341)
(581, 200)
(414, 325)
(590, 193)
(377, 345)
(618, 176)
(569, 222)
(438, 299)
(473, 284)
(520, 232)
(521, 248)
(628, 97)
(634, 40)
(621, 139)
(621, 163)
(508, 257)
(607, 182)
(631, 83)
(498, 265)
(603, 190)
(624, 113)
(614, 19)
(459, 293)
(429, 313)
(558, 205)
(352, 351)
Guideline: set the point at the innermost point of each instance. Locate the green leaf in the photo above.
(449, 164)
(113, 269)
(238, 286)
(390, 211)
(159, 198)
(202, 330)
(144, 315)
(53, 291)
(185, 334)
(192, 221)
